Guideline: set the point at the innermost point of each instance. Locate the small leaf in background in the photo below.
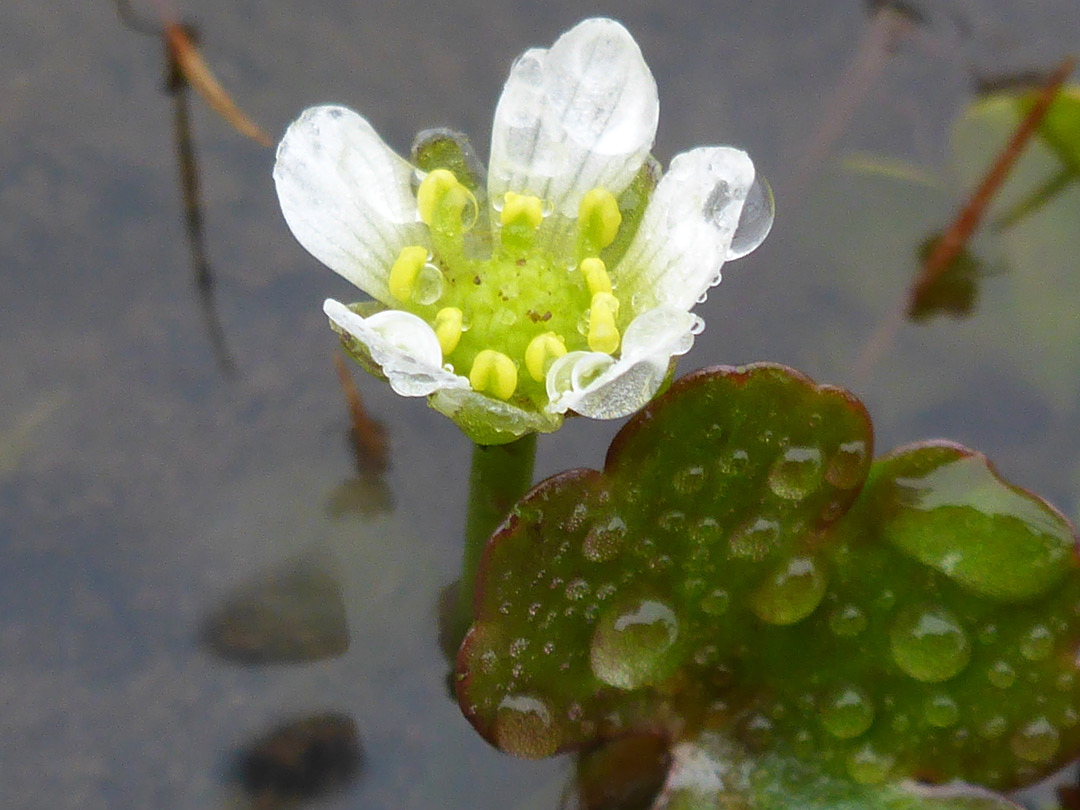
(953, 292)
(729, 570)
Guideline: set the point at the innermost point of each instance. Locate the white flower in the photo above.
(564, 285)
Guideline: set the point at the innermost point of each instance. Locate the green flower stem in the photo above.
(500, 475)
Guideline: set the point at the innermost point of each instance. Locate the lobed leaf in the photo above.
(729, 570)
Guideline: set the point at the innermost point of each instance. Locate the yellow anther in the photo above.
(541, 353)
(603, 334)
(599, 218)
(433, 188)
(448, 328)
(441, 192)
(596, 276)
(405, 270)
(494, 373)
(522, 209)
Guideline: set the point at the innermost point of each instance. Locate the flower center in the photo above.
(504, 313)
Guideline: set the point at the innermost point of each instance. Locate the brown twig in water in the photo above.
(368, 436)
(198, 75)
(959, 232)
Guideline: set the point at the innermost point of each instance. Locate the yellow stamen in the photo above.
(603, 334)
(598, 218)
(522, 209)
(405, 270)
(541, 353)
(448, 328)
(432, 188)
(441, 189)
(596, 276)
(494, 373)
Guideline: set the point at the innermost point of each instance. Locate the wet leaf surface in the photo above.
(729, 569)
(712, 772)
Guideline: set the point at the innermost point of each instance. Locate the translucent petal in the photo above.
(597, 386)
(687, 230)
(402, 345)
(580, 115)
(345, 194)
(486, 420)
(661, 333)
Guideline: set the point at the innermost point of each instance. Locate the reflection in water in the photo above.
(365, 494)
(890, 24)
(184, 68)
(176, 86)
(301, 760)
(290, 617)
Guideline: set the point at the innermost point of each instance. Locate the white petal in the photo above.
(346, 196)
(402, 345)
(595, 385)
(686, 233)
(580, 115)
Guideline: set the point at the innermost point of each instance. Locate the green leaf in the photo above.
(1060, 129)
(726, 571)
(602, 586)
(714, 773)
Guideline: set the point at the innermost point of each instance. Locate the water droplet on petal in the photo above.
(796, 474)
(929, 644)
(632, 646)
(790, 593)
(847, 713)
(1036, 741)
(429, 285)
(524, 727)
(755, 221)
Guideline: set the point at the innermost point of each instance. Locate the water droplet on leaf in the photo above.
(942, 711)
(790, 593)
(1037, 644)
(604, 539)
(796, 474)
(847, 621)
(1036, 741)
(524, 727)
(847, 713)
(755, 539)
(632, 646)
(929, 644)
